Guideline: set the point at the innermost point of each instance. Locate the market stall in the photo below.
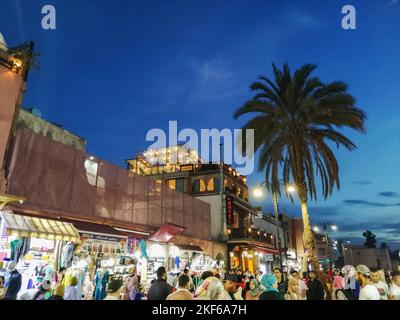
(37, 246)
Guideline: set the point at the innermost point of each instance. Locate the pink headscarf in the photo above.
(338, 282)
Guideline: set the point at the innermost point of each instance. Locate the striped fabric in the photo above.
(26, 226)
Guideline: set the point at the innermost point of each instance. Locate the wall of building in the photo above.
(267, 226)
(215, 211)
(38, 125)
(371, 257)
(10, 84)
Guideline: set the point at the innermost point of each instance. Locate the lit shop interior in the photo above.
(249, 258)
(42, 248)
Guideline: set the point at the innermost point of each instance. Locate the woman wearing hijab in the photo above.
(254, 292)
(270, 284)
(293, 292)
(134, 291)
(210, 289)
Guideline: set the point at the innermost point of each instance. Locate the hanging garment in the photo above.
(15, 247)
(98, 286)
(23, 248)
(79, 288)
(67, 255)
(101, 281)
(88, 289)
(57, 255)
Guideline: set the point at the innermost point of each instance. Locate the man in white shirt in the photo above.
(382, 287)
(367, 291)
(182, 292)
(394, 292)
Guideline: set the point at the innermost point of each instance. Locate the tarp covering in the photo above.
(166, 232)
(66, 182)
(26, 226)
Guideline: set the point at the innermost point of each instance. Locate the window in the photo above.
(213, 184)
(235, 219)
(171, 183)
(321, 251)
(199, 186)
(247, 222)
(180, 185)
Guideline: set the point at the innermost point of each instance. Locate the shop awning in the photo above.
(186, 247)
(97, 229)
(166, 232)
(26, 226)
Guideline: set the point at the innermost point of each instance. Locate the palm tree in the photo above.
(296, 117)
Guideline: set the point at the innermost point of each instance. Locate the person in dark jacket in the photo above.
(270, 284)
(160, 289)
(315, 289)
(282, 283)
(14, 282)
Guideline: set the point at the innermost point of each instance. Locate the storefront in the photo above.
(102, 247)
(193, 257)
(37, 245)
(251, 257)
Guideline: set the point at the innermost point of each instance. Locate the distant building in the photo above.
(371, 257)
(245, 244)
(324, 250)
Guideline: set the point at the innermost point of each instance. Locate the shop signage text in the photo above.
(186, 168)
(229, 211)
(99, 237)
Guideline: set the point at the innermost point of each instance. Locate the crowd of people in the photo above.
(360, 283)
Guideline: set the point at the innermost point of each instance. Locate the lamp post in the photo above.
(258, 193)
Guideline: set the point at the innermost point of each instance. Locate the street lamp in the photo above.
(291, 188)
(258, 193)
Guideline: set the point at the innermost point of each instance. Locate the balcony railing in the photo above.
(251, 234)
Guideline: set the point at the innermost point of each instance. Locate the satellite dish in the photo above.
(3, 45)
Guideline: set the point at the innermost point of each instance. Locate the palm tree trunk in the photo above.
(308, 236)
(302, 192)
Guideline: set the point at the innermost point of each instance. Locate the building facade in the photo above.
(371, 257)
(246, 245)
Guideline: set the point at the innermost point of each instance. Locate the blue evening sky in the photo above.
(112, 70)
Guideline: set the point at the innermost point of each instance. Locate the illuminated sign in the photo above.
(187, 167)
(229, 211)
(291, 254)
